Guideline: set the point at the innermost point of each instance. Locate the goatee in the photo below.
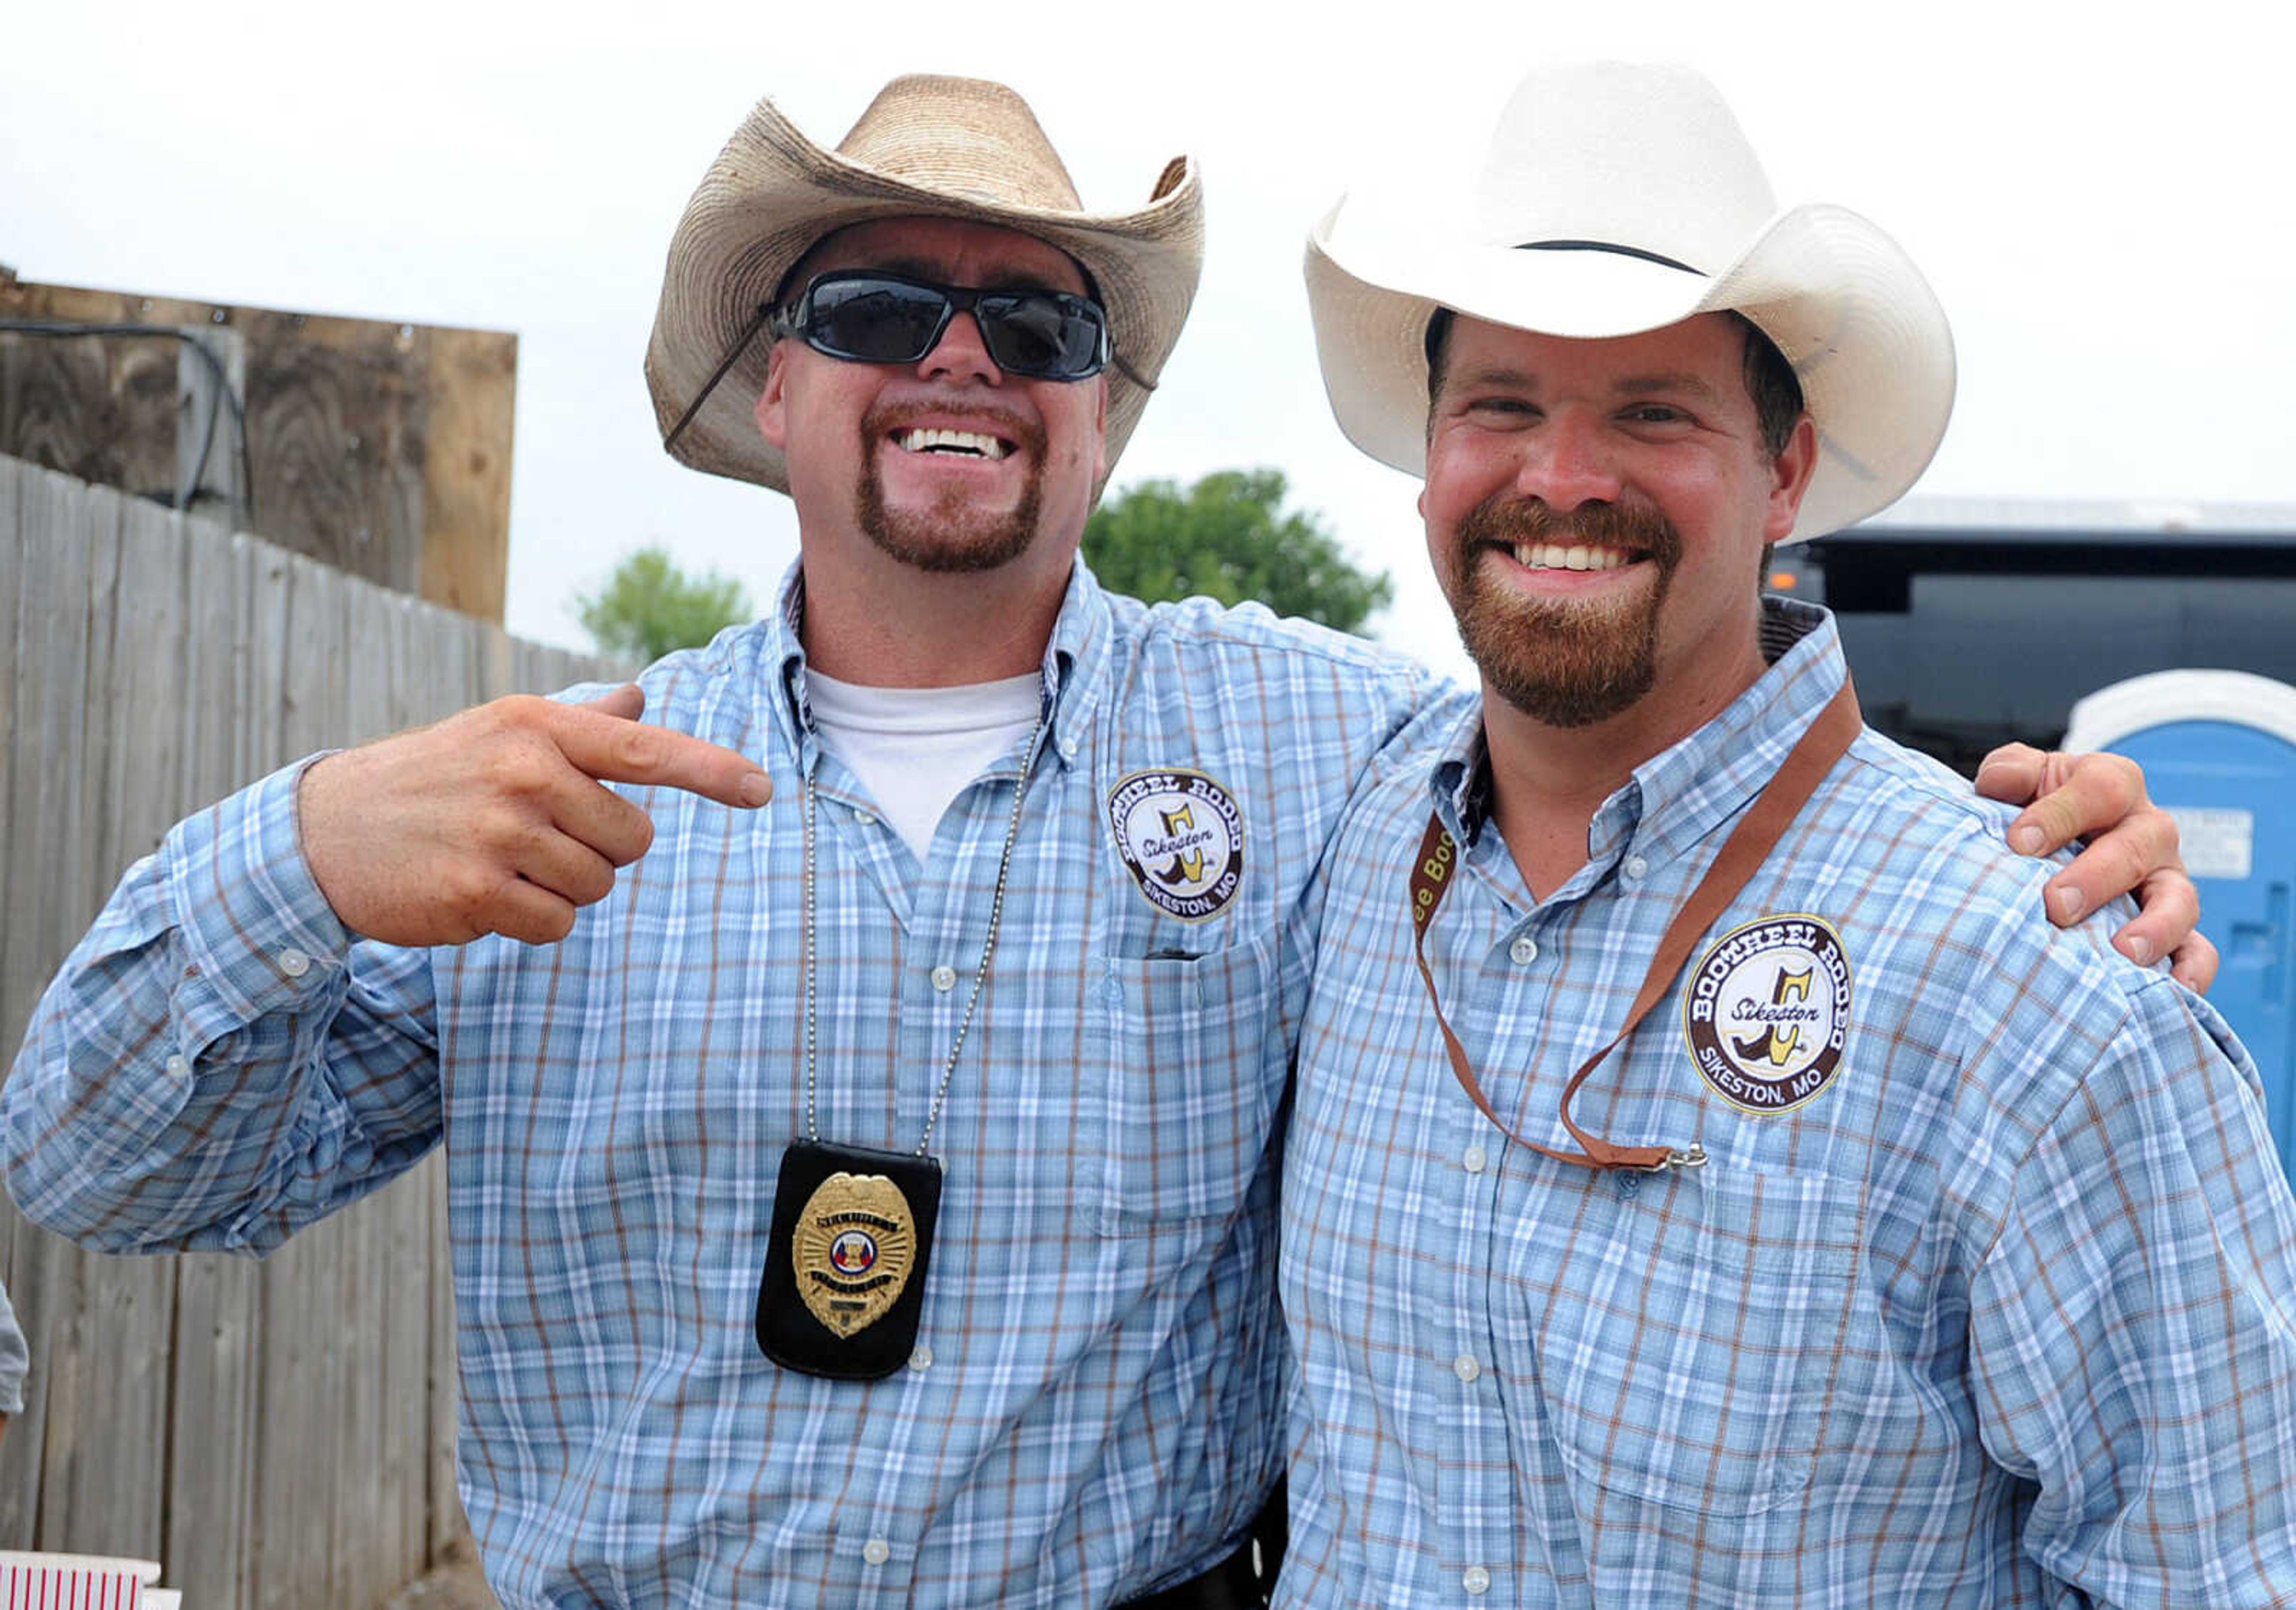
(1563, 662)
(952, 537)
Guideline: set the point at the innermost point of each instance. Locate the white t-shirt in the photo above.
(915, 749)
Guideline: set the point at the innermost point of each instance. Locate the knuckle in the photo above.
(2127, 861)
(2167, 835)
(639, 748)
(515, 713)
(2127, 777)
(2113, 781)
(468, 891)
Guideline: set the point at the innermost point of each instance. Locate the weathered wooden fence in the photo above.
(280, 1435)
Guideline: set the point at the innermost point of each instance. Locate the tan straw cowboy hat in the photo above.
(1618, 199)
(954, 148)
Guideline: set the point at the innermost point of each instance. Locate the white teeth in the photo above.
(968, 442)
(1555, 556)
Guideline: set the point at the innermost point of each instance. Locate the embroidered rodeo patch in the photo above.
(1767, 1012)
(1181, 838)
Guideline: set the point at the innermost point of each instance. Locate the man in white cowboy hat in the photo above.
(1712, 1180)
(869, 1200)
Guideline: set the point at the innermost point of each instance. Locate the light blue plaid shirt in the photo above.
(2002, 1313)
(1094, 1409)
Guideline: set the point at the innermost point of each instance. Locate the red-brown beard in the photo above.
(1564, 663)
(952, 537)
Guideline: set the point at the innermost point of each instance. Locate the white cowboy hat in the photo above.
(954, 148)
(1619, 198)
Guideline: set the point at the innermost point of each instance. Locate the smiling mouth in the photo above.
(955, 444)
(1571, 556)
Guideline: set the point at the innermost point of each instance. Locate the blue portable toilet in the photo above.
(2219, 749)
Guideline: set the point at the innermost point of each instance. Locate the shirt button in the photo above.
(1465, 1367)
(1069, 748)
(865, 817)
(1476, 1581)
(177, 1068)
(944, 978)
(1637, 869)
(294, 963)
(1473, 1159)
(1524, 950)
(876, 1551)
(921, 1359)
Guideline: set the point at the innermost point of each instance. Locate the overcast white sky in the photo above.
(2103, 206)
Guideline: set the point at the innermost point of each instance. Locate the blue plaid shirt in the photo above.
(1094, 1409)
(1996, 1307)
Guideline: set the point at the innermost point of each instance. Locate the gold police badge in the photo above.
(854, 1245)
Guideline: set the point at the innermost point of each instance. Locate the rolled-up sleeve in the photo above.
(219, 1062)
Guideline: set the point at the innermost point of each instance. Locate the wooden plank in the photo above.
(19, 1451)
(363, 1545)
(450, 1528)
(98, 408)
(379, 447)
(304, 1344)
(295, 1450)
(143, 782)
(44, 1287)
(44, 822)
(213, 1404)
(393, 631)
(14, 478)
(262, 743)
(114, 1498)
(213, 1414)
(472, 381)
(280, 1383)
(84, 554)
(402, 1445)
(210, 377)
(49, 637)
(114, 1376)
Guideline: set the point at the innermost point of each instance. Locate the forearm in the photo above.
(217, 1064)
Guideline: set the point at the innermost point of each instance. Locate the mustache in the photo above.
(1023, 432)
(1501, 518)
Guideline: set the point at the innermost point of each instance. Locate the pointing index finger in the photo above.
(614, 749)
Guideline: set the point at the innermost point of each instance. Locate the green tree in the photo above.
(649, 606)
(1229, 537)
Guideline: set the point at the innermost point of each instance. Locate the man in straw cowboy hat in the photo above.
(1739, 1194)
(868, 1200)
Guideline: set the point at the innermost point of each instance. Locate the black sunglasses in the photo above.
(864, 317)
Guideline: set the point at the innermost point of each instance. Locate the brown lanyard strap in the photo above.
(1750, 843)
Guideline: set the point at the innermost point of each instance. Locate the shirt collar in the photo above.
(1680, 794)
(1074, 669)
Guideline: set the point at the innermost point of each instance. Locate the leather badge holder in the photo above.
(844, 1282)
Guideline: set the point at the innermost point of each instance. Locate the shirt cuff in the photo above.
(257, 934)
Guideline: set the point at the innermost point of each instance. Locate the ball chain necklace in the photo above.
(843, 1288)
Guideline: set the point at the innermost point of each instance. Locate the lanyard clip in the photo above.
(1694, 1157)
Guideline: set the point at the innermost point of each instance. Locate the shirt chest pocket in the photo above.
(1195, 1074)
(1701, 1384)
